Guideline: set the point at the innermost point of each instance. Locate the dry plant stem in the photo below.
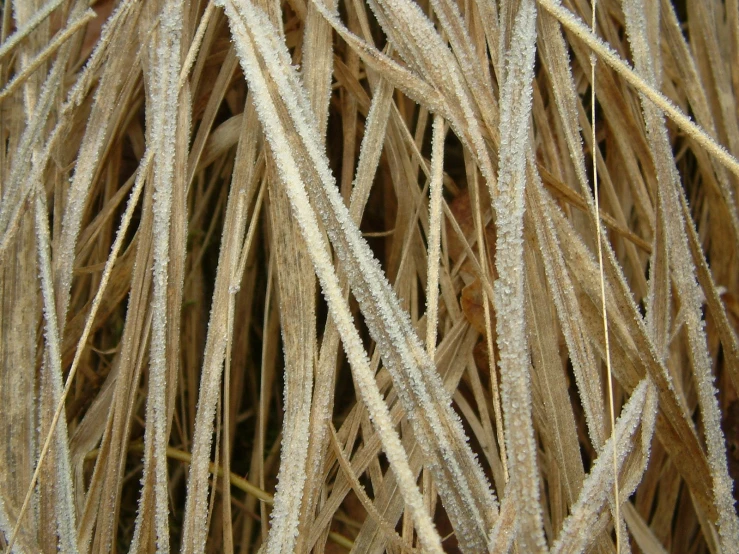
(685, 279)
(34, 21)
(43, 56)
(434, 251)
(573, 24)
(130, 324)
(515, 109)
(606, 339)
(53, 370)
(135, 193)
(165, 96)
(443, 437)
(325, 272)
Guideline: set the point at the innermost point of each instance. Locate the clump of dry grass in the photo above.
(394, 275)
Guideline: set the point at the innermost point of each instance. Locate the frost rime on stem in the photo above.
(324, 268)
(683, 271)
(52, 367)
(641, 409)
(434, 249)
(460, 480)
(515, 107)
(165, 101)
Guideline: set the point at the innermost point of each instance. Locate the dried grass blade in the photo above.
(367, 503)
(62, 490)
(11, 201)
(515, 111)
(318, 58)
(427, 53)
(554, 53)
(675, 426)
(367, 279)
(400, 77)
(14, 196)
(28, 26)
(14, 200)
(46, 53)
(706, 34)
(716, 306)
(371, 148)
(683, 272)
(165, 97)
(369, 157)
(541, 325)
(98, 520)
(641, 410)
(643, 535)
(606, 53)
(291, 178)
(388, 499)
(434, 251)
(696, 94)
(196, 507)
(474, 69)
(575, 330)
(296, 283)
(87, 163)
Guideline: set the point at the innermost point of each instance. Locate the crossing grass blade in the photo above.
(323, 275)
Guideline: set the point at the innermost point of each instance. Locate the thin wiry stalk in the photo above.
(603, 303)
